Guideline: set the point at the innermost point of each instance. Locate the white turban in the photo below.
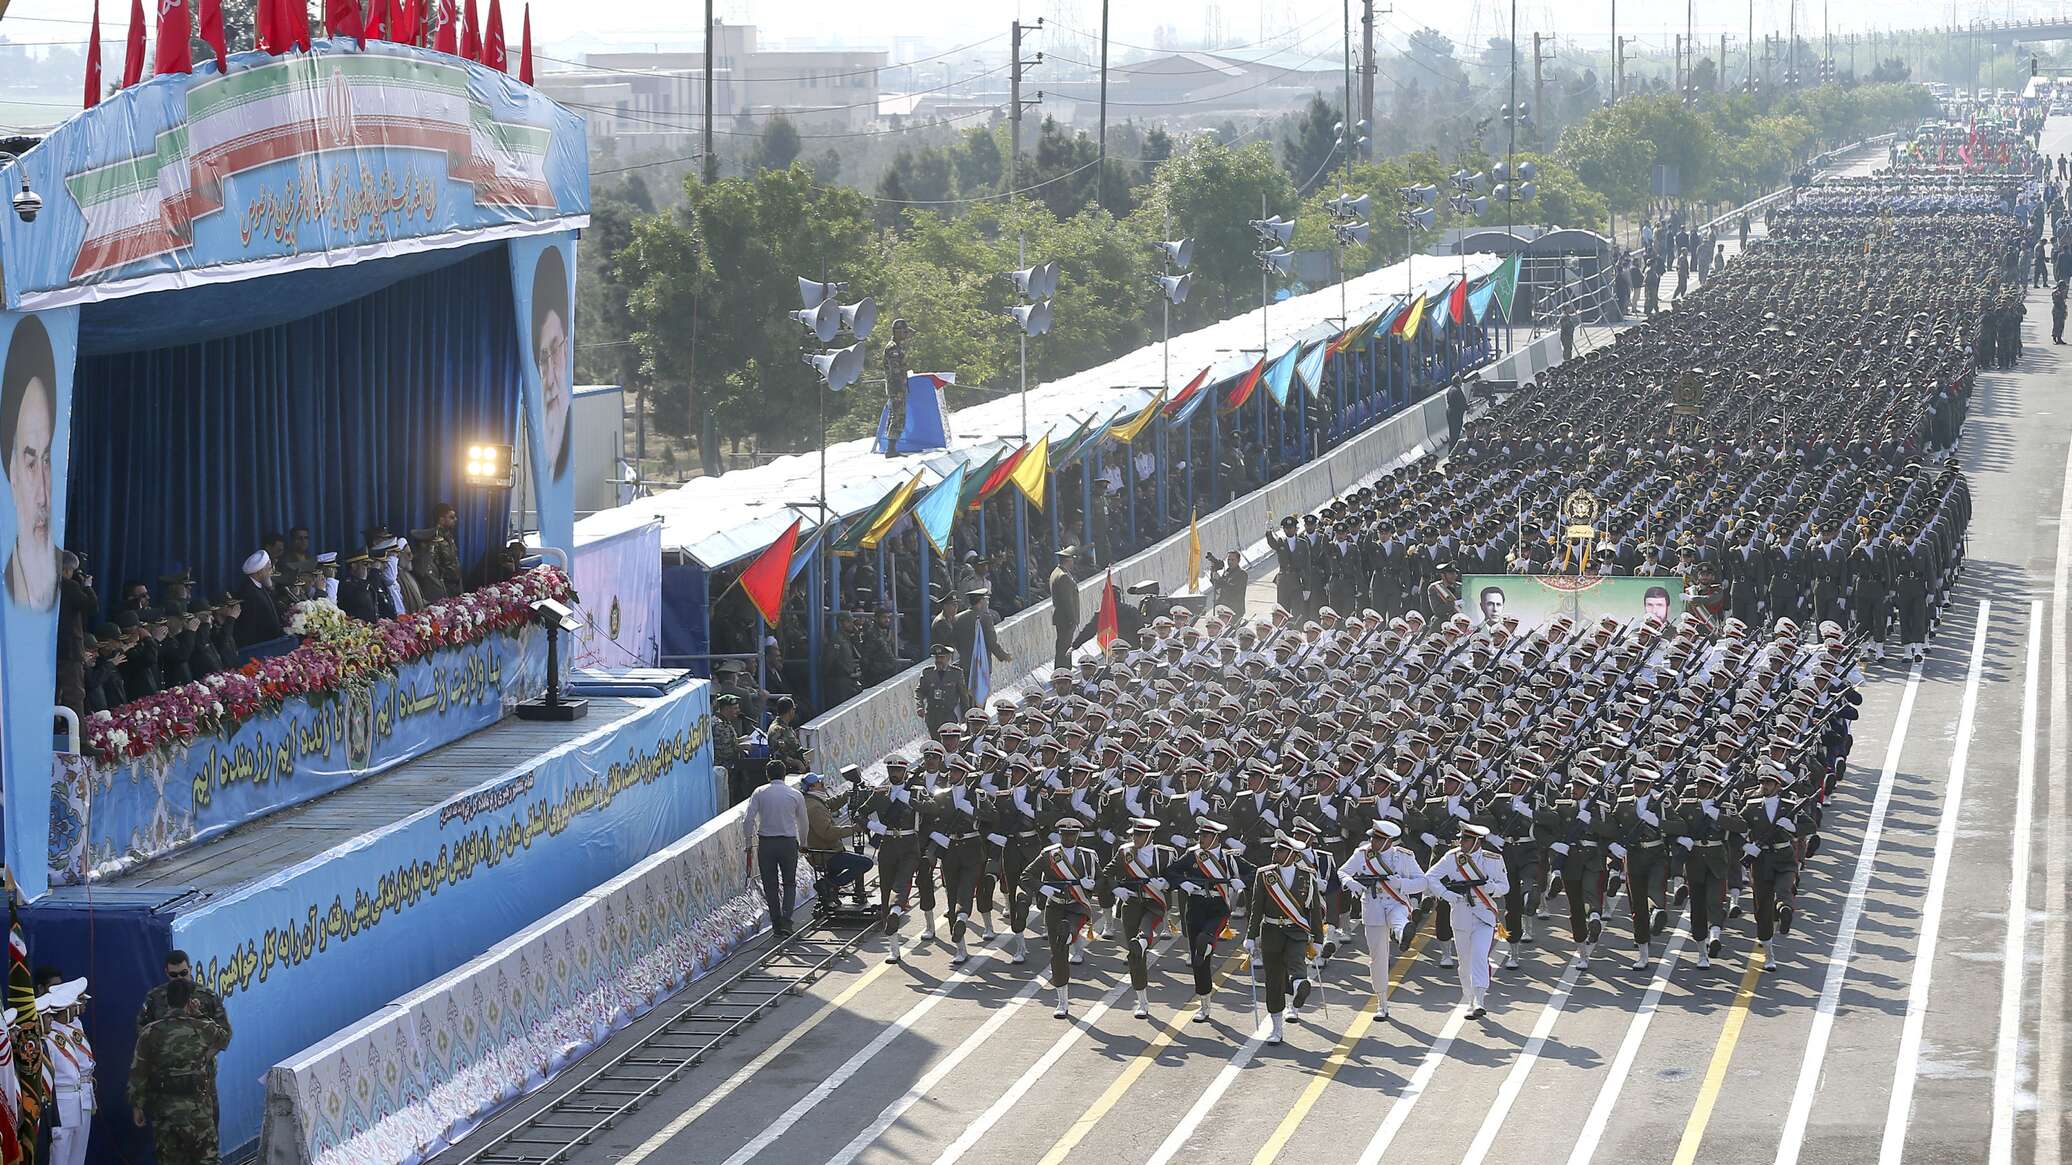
(257, 562)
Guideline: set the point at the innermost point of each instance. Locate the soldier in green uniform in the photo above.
(1699, 828)
(1773, 846)
(1579, 831)
(896, 384)
(172, 1081)
(1285, 916)
(443, 552)
(1519, 822)
(895, 816)
(953, 821)
(783, 735)
(939, 697)
(1142, 897)
(726, 746)
(1065, 875)
(1641, 846)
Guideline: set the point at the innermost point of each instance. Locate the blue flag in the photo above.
(1310, 369)
(937, 512)
(1279, 372)
(981, 665)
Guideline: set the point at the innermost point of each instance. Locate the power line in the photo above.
(800, 77)
(1053, 179)
(910, 127)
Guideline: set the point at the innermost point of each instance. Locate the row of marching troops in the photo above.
(1275, 785)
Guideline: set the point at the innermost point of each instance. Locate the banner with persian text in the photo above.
(105, 819)
(314, 158)
(321, 945)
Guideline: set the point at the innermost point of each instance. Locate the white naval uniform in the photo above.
(1475, 915)
(71, 1064)
(1381, 914)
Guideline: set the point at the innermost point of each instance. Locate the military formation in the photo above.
(1376, 761)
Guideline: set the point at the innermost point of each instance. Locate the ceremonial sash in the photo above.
(1281, 901)
(1467, 864)
(1384, 883)
(1210, 870)
(1137, 872)
(1063, 870)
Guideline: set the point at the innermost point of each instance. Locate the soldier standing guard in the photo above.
(1466, 877)
(1285, 917)
(1065, 875)
(939, 697)
(896, 385)
(71, 1061)
(1141, 899)
(172, 1081)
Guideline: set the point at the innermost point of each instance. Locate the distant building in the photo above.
(658, 99)
(1200, 86)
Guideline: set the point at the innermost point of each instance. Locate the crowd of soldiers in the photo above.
(1778, 446)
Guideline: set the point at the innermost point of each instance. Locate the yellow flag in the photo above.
(1130, 430)
(1028, 476)
(892, 512)
(1194, 549)
(1414, 318)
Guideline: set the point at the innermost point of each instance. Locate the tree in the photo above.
(979, 161)
(1314, 146)
(1891, 70)
(1213, 191)
(779, 146)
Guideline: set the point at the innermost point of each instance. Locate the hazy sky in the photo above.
(950, 23)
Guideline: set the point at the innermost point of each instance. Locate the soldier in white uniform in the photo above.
(1474, 884)
(1389, 879)
(71, 1061)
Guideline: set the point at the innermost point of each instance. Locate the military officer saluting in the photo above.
(1284, 918)
(1388, 878)
(1064, 875)
(1142, 898)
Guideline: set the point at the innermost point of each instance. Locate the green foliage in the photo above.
(779, 146)
(1212, 191)
(1314, 146)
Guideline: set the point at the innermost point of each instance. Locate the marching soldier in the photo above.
(1517, 822)
(1700, 830)
(954, 831)
(1212, 879)
(1284, 919)
(939, 696)
(1466, 877)
(1010, 823)
(1141, 899)
(1064, 874)
(1640, 845)
(1772, 848)
(896, 820)
(1389, 878)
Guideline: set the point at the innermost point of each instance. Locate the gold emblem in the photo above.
(1579, 514)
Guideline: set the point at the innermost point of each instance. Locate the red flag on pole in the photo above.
(211, 32)
(264, 35)
(93, 61)
(175, 27)
(1179, 399)
(1457, 302)
(133, 54)
(1108, 626)
(493, 38)
(292, 18)
(470, 33)
(409, 22)
(1242, 390)
(525, 47)
(342, 18)
(447, 37)
(763, 581)
(380, 24)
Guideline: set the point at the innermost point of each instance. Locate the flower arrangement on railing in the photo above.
(337, 653)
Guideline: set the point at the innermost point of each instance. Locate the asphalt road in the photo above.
(1915, 1014)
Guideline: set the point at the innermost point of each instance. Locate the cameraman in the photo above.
(76, 605)
(1228, 580)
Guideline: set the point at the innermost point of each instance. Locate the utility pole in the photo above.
(1616, 45)
(1367, 71)
(1751, 46)
(1791, 50)
(1539, 104)
(1015, 104)
(708, 165)
(1618, 67)
(1719, 75)
(1101, 154)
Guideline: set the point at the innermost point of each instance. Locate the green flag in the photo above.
(1507, 284)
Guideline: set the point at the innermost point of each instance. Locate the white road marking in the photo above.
(1177, 1139)
(1507, 1094)
(1622, 1063)
(1020, 1088)
(2007, 1063)
(1908, 1064)
(1859, 886)
(940, 1069)
(855, 1063)
(2050, 1029)
(1400, 1111)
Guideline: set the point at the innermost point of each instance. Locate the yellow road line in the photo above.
(1137, 1067)
(1339, 1055)
(747, 1071)
(1716, 1074)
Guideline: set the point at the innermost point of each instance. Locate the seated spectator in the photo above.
(174, 646)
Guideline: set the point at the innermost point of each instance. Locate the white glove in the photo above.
(1158, 884)
(1108, 836)
(1648, 817)
(1179, 839)
(1086, 883)
(1251, 947)
(1190, 887)
(875, 827)
(1618, 851)
(1583, 815)
(941, 839)
(1052, 838)
(1050, 891)
(1685, 842)
(1787, 825)
(1751, 849)
(1123, 894)
(1429, 840)
(999, 839)
(1560, 847)
(1711, 810)
(1269, 817)
(1237, 885)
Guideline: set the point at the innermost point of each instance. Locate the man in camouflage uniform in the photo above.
(172, 1082)
(726, 746)
(442, 552)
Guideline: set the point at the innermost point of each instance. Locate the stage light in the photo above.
(488, 466)
(27, 204)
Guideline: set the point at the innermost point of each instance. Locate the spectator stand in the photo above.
(1120, 475)
(1548, 262)
(299, 294)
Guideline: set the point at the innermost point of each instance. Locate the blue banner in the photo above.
(37, 355)
(543, 282)
(310, 159)
(295, 958)
(108, 819)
